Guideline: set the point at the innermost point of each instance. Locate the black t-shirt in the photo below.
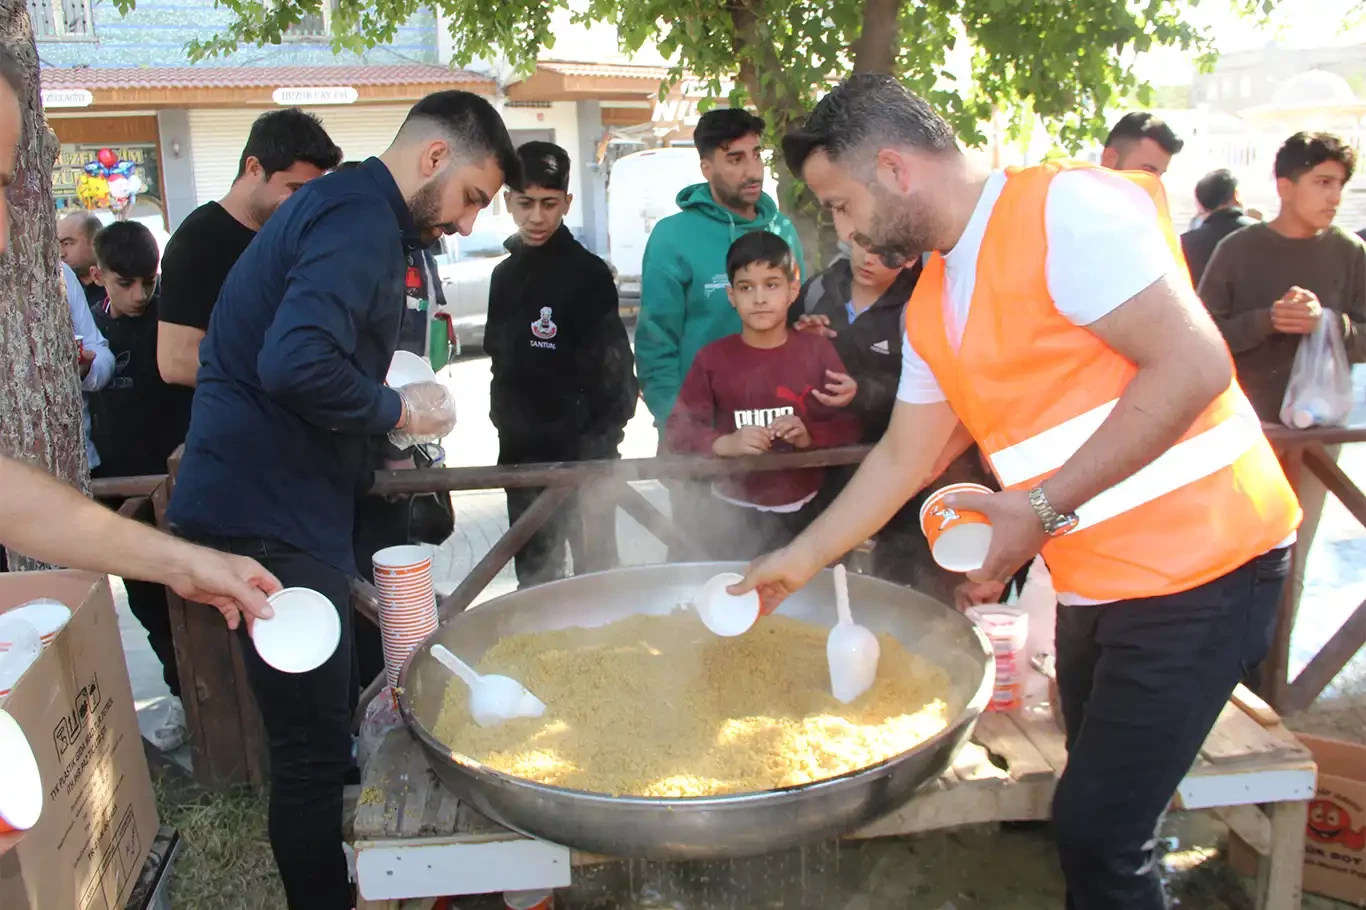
(135, 421)
(94, 293)
(198, 258)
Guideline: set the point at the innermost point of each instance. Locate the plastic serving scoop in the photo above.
(493, 698)
(851, 650)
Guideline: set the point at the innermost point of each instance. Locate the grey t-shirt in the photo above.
(1251, 269)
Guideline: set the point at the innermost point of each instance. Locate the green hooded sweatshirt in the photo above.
(683, 302)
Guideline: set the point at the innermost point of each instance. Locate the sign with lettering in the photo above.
(67, 97)
(336, 94)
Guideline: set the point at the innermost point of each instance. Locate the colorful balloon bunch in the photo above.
(109, 181)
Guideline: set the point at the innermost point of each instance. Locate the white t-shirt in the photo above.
(1104, 246)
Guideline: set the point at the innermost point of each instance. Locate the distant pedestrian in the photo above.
(1217, 194)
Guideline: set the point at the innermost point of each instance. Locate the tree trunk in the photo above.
(879, 41)
(40, 399)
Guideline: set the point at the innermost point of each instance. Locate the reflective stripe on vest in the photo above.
(1032, 388)
(1184, 463)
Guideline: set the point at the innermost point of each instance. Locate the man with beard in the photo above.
(284, 150)
(683, 296)
(290, 394)
(1056, 320)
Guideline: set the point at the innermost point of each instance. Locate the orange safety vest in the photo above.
(1031, 387)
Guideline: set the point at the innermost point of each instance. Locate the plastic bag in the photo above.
(1320, 389)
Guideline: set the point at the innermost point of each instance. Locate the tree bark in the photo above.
(879, 41)
(40, 399)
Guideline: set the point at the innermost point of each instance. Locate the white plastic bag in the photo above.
(1320, 389)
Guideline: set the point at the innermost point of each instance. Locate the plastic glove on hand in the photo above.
(431, 414)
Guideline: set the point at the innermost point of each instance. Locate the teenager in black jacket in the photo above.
(860, 305)
(564, 382)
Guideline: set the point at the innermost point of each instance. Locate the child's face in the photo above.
(869, 270)
(538, 212)
(127, 296)
(761, 295)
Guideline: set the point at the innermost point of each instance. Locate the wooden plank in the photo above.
(973, 765)
(1276, 667)
(1237, 739)
(376, 813)
(1324, 666)
(417, 787)
(253, 744)
(124, 487)
(503, 550)
(937, 809)
(633, 503)
(999, 735)
(1250, 823)
(1210, 786)
(670, 467)
(136, 508)
(1336, 481)
(470, 824)
(365, 599)
(1253, 705)
(1039, 729)
(1280, 876)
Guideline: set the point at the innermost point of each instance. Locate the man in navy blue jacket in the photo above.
(290, 392)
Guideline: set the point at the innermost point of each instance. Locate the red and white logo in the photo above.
(544, 328)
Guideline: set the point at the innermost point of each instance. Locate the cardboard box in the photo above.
(75, 704)
(1335, 837)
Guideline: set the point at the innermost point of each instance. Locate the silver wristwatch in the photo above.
(1054, 523)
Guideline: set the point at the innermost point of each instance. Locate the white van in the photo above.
(640, 191)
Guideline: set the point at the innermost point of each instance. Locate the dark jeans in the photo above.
(741, 533)
(147, 602)
(1141, 684)
(307, 718)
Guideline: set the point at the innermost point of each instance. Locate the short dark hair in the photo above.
(760, 247)
(544, 164)
(13, 76)
(127, 248)
(1137, 125)
(721, 126)
(866, 110)
(1303, 152)
(1216, 189)
(279, 139)
(473, 126)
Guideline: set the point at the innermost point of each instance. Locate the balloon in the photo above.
(107, 157)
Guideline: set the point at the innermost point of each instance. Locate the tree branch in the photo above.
(878, 42)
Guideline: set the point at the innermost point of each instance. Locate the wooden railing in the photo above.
(225, 730)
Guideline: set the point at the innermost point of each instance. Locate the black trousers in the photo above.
(1142, 683)
(147, 603)
(542, 559)
(307, 718)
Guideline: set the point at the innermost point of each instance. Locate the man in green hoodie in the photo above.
(683, 302)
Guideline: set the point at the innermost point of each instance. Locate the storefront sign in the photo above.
(337, 94)
(86, 179)
(67, 97)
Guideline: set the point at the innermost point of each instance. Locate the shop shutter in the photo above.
(218, 136)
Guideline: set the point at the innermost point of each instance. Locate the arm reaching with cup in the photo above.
(44, 518)
(894, 471)
(428, 414)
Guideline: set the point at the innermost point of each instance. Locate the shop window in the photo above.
(61, 20)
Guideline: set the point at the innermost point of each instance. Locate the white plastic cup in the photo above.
(723, 613)
(303, 633)
(21, 784)
(407, 602)
(1007, 629)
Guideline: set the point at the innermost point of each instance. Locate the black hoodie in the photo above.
(564, 383)
(870, 346)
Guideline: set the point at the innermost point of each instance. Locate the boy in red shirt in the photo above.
(767, 389)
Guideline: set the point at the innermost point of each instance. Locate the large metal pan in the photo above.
(711, 827)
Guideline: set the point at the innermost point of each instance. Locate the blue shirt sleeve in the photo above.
(306, 362)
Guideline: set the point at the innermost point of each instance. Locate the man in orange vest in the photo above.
(1056, 321)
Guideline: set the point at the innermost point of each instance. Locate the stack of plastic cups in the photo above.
(1007, 629)
(407, 602)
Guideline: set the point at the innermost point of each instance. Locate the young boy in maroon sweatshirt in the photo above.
(767, 389)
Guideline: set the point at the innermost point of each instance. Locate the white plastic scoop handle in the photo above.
(493, 698)
(851, 650)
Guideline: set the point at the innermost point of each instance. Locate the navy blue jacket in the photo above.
(291, 376)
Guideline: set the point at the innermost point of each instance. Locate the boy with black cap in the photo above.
(564, 382)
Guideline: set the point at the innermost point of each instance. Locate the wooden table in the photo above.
(415, 841)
